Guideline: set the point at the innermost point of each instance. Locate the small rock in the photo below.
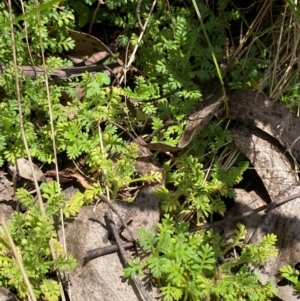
(23, 169)
(102, 278)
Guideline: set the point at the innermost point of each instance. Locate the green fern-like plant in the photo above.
(31, 233)
(292, 275)
(198, 194)
(188, 266)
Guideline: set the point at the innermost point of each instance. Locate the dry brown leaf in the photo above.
(270, 116)
(212, 98)
(88, 49)
(67, 176)
(275, 170)
(210, 102)
(279, 178)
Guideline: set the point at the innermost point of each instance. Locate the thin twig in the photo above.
(136, 280)
(106, 181)
(154, 99)
(124, 224)
(18, 95)
(53, 252)
(138, 43)
(127, 132)
(138, 13)
(38, 192)
(26, 35)
(112, 73)
(94, 15)
(276, 203)
(164, 126)
(98, 252)
(125, 86)
(63, 73)
(128, 220)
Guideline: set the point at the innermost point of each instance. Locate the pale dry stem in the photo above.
(138, 43)
(16, 254)
(38, 192)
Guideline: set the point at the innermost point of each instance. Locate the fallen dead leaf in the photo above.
(88, 49)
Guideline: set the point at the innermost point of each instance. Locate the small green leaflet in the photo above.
(102, 78)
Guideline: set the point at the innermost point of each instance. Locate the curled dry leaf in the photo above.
(212, 98)
(87, 46)
(279, 178)
(271, 164)
(210, 102)
(269, 158)
(270, 116)
(67, 176)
